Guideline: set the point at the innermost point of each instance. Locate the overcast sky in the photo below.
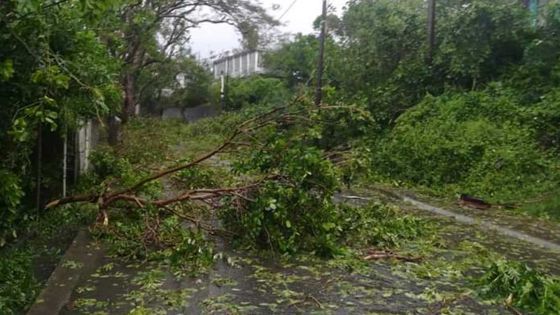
(218, 38)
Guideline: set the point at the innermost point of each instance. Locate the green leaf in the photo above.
(6, 70)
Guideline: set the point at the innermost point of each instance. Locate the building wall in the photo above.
(239, 65)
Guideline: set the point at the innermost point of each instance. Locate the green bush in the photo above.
(256, 90)
(197, 177)
(547, 206)
(18, 286)
(546, 120)
(109, 169)
(475, 142)
(11, 194)
(521, 286)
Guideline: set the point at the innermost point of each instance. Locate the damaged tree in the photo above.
(286, 204)
(106, 198)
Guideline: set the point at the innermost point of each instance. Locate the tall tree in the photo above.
(152, 31)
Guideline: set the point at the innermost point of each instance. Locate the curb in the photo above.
(81, 258)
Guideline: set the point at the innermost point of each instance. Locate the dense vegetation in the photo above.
(64, 62)
(481, 116)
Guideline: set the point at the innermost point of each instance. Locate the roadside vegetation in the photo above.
(479, 117)
(420, 249)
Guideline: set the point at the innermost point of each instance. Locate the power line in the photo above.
(287, 10)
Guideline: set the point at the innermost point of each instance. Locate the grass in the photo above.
(547, 207)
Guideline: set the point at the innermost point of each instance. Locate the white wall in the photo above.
(239, 66)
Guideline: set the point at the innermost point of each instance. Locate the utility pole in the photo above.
(321, 62)
(431, 30)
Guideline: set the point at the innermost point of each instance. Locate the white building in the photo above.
(239, 65)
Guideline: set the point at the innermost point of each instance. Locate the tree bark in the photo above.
(129, 106)
(431, 31)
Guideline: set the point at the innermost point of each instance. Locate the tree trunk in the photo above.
(129, 106)
(431, 31)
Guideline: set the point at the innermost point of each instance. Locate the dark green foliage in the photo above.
(480, 40)
(187, 79)
(546, 120)
(478, 142)
(295, 61)
(18, 286)
(10, 198)
(295, 212)
(53, 71)
(341, 125)
(539, 72)
(521, 286)
(251, 91)
(381, 36)
(383, 61)
(197, 177)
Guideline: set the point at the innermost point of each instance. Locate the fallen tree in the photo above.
(107, 198)
(285, 202)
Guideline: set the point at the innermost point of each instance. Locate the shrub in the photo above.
(18, 287)
(477, 142)
(254, 91)
(521, 286)
(108, 168)
(197, 177)
(11, 194)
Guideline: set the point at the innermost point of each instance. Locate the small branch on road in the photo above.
(377, 255)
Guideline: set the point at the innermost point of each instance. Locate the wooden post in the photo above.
(321, 62)
(431, 30)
